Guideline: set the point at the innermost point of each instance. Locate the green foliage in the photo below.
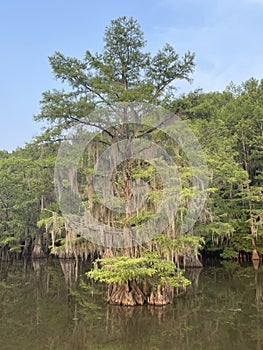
(229, 128)
(123, 269)
(123, 72)
(229, 254)
(26, 185)
(181, 245)
(228, 125)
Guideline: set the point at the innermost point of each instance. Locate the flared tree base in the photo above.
(131, 294)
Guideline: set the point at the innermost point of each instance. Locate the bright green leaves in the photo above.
(181, 245)
(124, 269)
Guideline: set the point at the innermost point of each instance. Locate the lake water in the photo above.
(50, 305)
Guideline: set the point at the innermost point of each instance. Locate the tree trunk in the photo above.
(192, 261)
(26, 250)
(162, 296)
(255, 255)
(128, 294)
(5, 256)
(37, 250)
(131, 294)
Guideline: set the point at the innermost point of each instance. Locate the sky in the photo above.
(226, 36)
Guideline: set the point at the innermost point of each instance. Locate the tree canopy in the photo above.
(123, 72)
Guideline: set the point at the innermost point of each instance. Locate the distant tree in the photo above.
(26, 187)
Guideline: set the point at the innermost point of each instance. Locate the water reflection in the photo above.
(49, 304)
(70, 271)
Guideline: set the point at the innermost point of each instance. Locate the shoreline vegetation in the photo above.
(228, 126)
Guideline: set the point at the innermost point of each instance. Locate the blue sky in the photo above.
(226, 36)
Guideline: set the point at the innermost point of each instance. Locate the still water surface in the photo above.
(50, 305)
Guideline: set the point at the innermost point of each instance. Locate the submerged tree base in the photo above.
(131, 294)
(192, 261)
(162, 296)
(128, 294)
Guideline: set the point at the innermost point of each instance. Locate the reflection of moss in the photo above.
(85, 297)
(4, 285)
(37, 311)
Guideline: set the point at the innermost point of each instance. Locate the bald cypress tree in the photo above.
(123, 73)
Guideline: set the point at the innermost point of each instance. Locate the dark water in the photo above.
(51, 306)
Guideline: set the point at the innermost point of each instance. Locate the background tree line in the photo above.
(229, 126)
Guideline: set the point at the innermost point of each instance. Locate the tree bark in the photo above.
(162, 296)
(131, 294)
(255, 255)
(192, 261)
(128, 294)
(37, 250)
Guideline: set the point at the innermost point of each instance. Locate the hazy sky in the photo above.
(226, 35)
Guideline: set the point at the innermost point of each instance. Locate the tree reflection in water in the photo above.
(51, 305)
